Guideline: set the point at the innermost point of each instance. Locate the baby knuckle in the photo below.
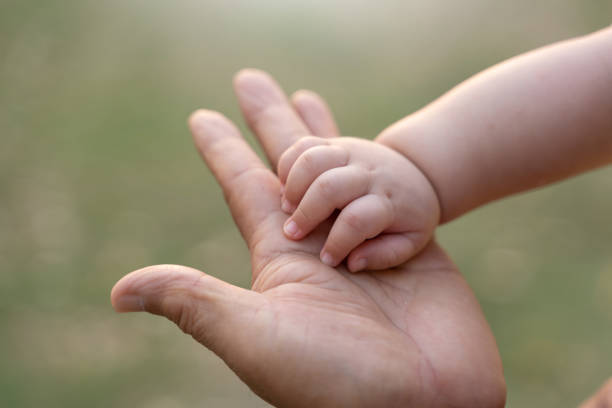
(355, 221)
(326, 187)
(364, 177)
(392, 256)
(388, 210)
(302, 215)
(283, 162)
(336, 245)
(307, 142)
(308, 159)
(370, 167)
(310, 140)
(341, 152)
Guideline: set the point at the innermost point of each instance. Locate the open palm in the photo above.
(307, 335)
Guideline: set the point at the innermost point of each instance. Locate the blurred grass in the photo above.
(98, 176)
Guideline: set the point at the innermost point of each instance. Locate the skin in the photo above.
(307, 334)
(532, 120)
(601, 399)
(388, 208)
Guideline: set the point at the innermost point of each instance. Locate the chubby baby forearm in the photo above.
(529, 121)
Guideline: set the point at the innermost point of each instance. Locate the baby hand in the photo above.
(389, 209)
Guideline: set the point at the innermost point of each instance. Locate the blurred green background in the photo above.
(98, 176)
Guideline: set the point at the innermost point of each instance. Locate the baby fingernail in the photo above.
(359, 265)
(291, 228)
(327, 259)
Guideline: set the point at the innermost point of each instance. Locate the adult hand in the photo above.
(308, 335)
(602, 398)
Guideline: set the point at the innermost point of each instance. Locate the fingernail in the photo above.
(359, 265)
(327, 259)
(285, 206)
(291, 228)
(129, 303)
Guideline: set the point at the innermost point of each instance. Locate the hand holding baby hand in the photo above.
(388, 208)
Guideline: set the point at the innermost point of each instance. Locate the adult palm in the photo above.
(307, 335)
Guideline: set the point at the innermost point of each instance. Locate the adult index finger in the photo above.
(250, 188)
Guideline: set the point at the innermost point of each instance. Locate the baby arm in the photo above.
(388, 207)
(529, 121)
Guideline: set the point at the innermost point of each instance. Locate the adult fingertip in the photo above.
(245, 75)
(124, 297)
(128, 303)
(244, 72)
(304, 95)
(195, 118)
(201, 120)
(206, 125)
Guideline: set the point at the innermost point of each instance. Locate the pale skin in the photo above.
(389, 209)
(601, 399)
(532, 120)
(307, 334)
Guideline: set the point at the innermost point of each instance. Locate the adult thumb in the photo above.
(209, 309)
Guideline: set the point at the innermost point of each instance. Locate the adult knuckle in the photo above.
(184, 319)
(180, 310)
